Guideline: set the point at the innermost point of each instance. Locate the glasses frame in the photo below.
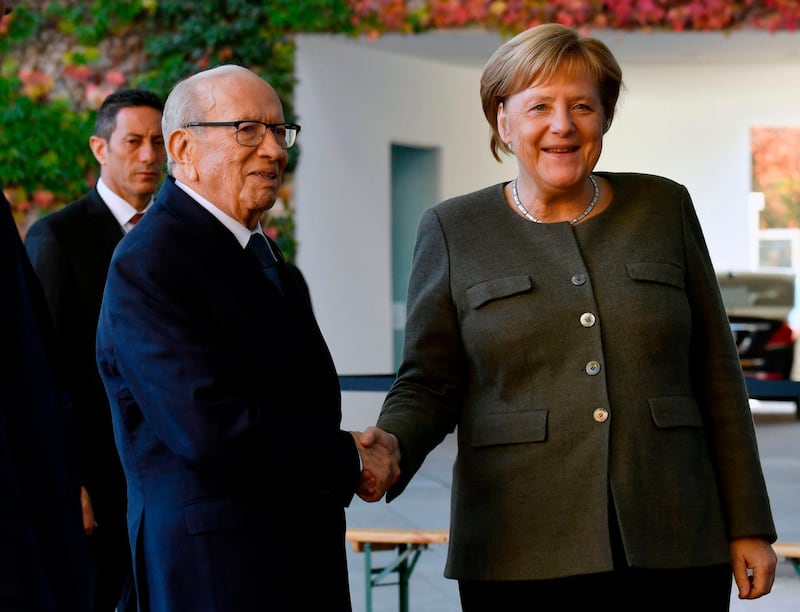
(235, 124)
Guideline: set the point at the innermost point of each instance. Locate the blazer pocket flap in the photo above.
(654, 272)
(510, 428)
(675, 412)
(220, 514)
(497, 288)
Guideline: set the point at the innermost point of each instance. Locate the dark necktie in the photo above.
(258, 247)
(135, 218)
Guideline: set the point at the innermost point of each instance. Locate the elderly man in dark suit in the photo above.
(225, 400)
(70, 250)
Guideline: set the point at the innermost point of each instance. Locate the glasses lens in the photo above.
(250, 134)
(288, 134)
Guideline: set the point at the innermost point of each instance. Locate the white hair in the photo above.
(188, 102)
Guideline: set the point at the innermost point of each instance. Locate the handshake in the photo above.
(380, 462)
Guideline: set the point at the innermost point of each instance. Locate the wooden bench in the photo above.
(790, 550)
(408, 543)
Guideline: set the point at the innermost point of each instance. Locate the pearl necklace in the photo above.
(530, 217)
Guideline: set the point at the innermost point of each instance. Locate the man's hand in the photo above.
(753, 562)
(380, 460)
(88, 512)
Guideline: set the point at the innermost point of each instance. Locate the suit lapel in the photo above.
(103, 226)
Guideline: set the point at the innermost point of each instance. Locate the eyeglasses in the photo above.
(251, 133)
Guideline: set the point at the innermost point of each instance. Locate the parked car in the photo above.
(761, 310)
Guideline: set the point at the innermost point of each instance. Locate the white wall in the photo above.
(688, 120)
(692, 123)
(353, 105)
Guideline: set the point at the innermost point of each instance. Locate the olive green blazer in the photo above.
(579, 365)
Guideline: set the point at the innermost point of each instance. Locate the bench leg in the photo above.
(402, 572)
(403, 565)
(368, 575)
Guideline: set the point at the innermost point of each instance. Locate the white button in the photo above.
(600, 415)
(592, 368)
(587, 319)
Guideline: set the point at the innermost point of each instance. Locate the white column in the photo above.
(755, 204)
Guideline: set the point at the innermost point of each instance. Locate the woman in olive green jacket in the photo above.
(569, 325)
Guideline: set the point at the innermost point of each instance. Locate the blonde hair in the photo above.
(535, 55)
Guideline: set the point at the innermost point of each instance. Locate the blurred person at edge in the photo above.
(43, 553)
(70, 250)
(569, 325)
(225, 400)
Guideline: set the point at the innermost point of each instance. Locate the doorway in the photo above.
(415, 187)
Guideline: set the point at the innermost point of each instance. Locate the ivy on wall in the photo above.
(374, 17)
(45, 124)
(776, 174)
(61, 58)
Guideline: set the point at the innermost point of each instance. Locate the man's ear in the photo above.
(99, 148)
(181, 148)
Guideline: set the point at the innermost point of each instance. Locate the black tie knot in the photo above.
(258, 247)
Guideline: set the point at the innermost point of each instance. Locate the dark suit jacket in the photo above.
(43, 560)
(577, 361)
(70, 250)
(226, 409)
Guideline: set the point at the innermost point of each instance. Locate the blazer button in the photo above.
(593, 368)
(587, 319)
(579, 279)
(600, 415)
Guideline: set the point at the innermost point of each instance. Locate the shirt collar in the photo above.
(119, 207)
(237, 229)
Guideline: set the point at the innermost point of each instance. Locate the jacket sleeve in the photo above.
(421, 407)
(722, 393)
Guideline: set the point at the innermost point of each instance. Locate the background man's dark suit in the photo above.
(70, 250)
(43, 559)
(226, 408)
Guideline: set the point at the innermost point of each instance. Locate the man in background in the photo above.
(70, 250)
(43, 555)
(43, 565)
